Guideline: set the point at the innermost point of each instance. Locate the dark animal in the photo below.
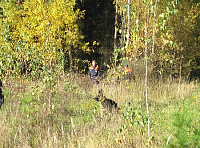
(1, 97)
(108, 104)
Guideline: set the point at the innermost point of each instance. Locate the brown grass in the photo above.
(74, 119)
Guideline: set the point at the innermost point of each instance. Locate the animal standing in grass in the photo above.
(107, 104)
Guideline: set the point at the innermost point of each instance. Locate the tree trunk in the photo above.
(123, 29)
(116, 23)
(128, 27)
(154, 29)
(63, 62)
(180, 71)
(70, 59)
(146, 65)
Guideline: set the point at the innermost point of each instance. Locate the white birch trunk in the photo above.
(154, 28)
(116, 22)
(128, 27)
(146, 65)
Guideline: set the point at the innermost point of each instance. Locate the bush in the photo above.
(186, 124)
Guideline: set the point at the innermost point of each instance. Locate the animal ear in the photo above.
(100, 91)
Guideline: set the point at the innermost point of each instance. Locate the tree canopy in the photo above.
(37, 34)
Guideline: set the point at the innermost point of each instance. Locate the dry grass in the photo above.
(75, 120)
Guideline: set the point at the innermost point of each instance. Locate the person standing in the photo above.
(128, 73)
(94, 72)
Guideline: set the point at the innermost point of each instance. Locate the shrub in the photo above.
(186, 124)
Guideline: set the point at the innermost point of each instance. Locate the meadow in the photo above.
(71, 118)
(46, 47)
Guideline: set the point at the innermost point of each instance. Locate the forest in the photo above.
(47, 98)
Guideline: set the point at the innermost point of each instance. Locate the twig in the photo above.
(168, 139)
(73, 127)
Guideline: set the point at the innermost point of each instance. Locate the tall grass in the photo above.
(74, 119)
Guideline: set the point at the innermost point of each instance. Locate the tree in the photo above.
(146, 67)
(173, 27)
(38, 37)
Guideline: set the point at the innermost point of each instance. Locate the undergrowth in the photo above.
(73, 119)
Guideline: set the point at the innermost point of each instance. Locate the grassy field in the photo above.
(33, 116)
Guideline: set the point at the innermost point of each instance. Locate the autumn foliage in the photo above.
(36, 34)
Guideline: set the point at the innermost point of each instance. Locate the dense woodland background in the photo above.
(68, 34)
(46, 47)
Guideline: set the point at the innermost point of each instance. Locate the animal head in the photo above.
(99, 96)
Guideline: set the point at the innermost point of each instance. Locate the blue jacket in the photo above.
(94, 71)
